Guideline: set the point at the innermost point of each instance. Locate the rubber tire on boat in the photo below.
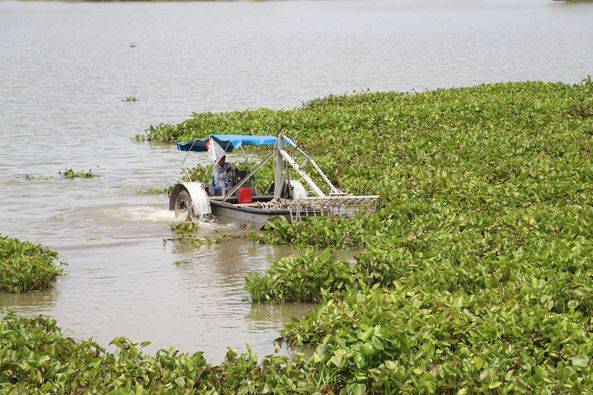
(183, 204)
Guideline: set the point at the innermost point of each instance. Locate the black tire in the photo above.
(183, 205)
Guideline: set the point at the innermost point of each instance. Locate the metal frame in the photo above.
(248, 176)
(336, 202)
(282, 158)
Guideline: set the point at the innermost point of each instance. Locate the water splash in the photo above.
(142, 213)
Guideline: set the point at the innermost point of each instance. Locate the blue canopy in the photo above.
(229, 142)
(237, 140)
(197, 145)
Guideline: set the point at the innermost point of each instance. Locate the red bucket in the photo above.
(245, 195)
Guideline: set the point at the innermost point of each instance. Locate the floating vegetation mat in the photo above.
(130, 99)
(154, 191)
(26, 266)
(477, 262)
(71, 174)
(186, 234)
(474, 275)
(36, 177)
(37, 357)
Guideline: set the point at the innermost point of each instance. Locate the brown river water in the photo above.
(65, 67)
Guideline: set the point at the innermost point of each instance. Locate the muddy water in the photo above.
(65, 67)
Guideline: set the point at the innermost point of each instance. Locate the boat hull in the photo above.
(255, 217)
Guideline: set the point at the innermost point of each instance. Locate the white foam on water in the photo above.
(146, 214)
(156, 214)
(181, 218)
(213, 224)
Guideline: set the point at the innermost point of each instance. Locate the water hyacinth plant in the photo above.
(154, 191)
(482, 237)
(25, 266)
(71, 174)
(35, 177)
(412, 341)
(185, 233)
(197, 173)
(300, 279)
(130, 99)
(37, 358)
(473, 276)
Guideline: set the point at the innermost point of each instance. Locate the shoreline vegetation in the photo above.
(474, 275)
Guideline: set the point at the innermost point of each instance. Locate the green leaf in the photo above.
(354, 389)
(377, 343)
(580, 361)
(337, 360)
(494, 385)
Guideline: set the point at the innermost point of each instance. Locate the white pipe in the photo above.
(321, 173)
(278, 169)
(301, 173)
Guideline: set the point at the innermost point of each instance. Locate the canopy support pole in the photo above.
(301, 173)
(333, 189)
(278, 169)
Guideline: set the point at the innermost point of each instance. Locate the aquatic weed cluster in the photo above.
(474, 275)
(37, 177)
(154, 191)
(26, 266)
(185, 233)
(71, 174)
(129, 99)
(303, 279)
(197, 173)
(36, 357)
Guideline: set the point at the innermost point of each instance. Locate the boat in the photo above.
(294, 194)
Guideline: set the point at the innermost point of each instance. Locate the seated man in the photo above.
(221, 182)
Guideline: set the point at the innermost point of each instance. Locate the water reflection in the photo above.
(263, 316)
(31, 303)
